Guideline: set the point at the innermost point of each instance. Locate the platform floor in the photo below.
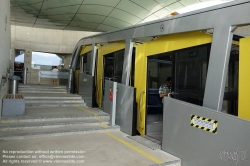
(110, 148)
(101, 149)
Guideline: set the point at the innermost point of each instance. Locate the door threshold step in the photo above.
(142, 140)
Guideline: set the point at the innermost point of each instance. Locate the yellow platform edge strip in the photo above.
(135, 148)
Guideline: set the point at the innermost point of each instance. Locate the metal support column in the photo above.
(93, 59)
(82, 64)
(25, 71)
(218, 67)
(70, 81)
(127, 62)
(113, 105)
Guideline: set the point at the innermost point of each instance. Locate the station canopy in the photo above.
(98, 15)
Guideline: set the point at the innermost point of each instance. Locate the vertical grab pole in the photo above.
(113, 105)
(25, 75)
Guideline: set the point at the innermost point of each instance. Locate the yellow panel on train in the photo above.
(244, 79)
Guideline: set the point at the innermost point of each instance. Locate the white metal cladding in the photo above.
(221, 18)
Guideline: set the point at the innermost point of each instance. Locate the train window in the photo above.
(78, 63)
(132, 73)
(113, 66)
(159, 68)
(118, 65)
(190, 73)
(86, 62)
(230, 102)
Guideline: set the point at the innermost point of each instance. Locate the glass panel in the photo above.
(159, 69)
(190, 74)
(19, 56)
(132, 74)
(19, 63)
(108, 66)
(45, 61)
(118, 65)
(86, 63)
(230, 103)
(113, 66)
(78, 65)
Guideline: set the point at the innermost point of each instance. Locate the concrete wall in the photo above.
(4, 45)
(44, 40)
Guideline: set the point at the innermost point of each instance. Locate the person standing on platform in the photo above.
(54, 80)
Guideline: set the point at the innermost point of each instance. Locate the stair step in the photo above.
(52, 118)
(41, 92)
(43, 87)
(46, 87)
(39, 86)
(54, 101)
(52, 124)
(56, 105)
(50, 96)
(69, 130)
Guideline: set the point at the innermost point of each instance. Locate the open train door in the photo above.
(158, 54)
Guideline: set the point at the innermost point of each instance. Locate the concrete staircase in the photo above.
(41, 89)
(43, 126)
(49, 96)
(51, 111)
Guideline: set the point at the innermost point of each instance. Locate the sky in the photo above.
(41, 58)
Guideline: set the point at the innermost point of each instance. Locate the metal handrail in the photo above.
(97, 90)
(140, 103)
